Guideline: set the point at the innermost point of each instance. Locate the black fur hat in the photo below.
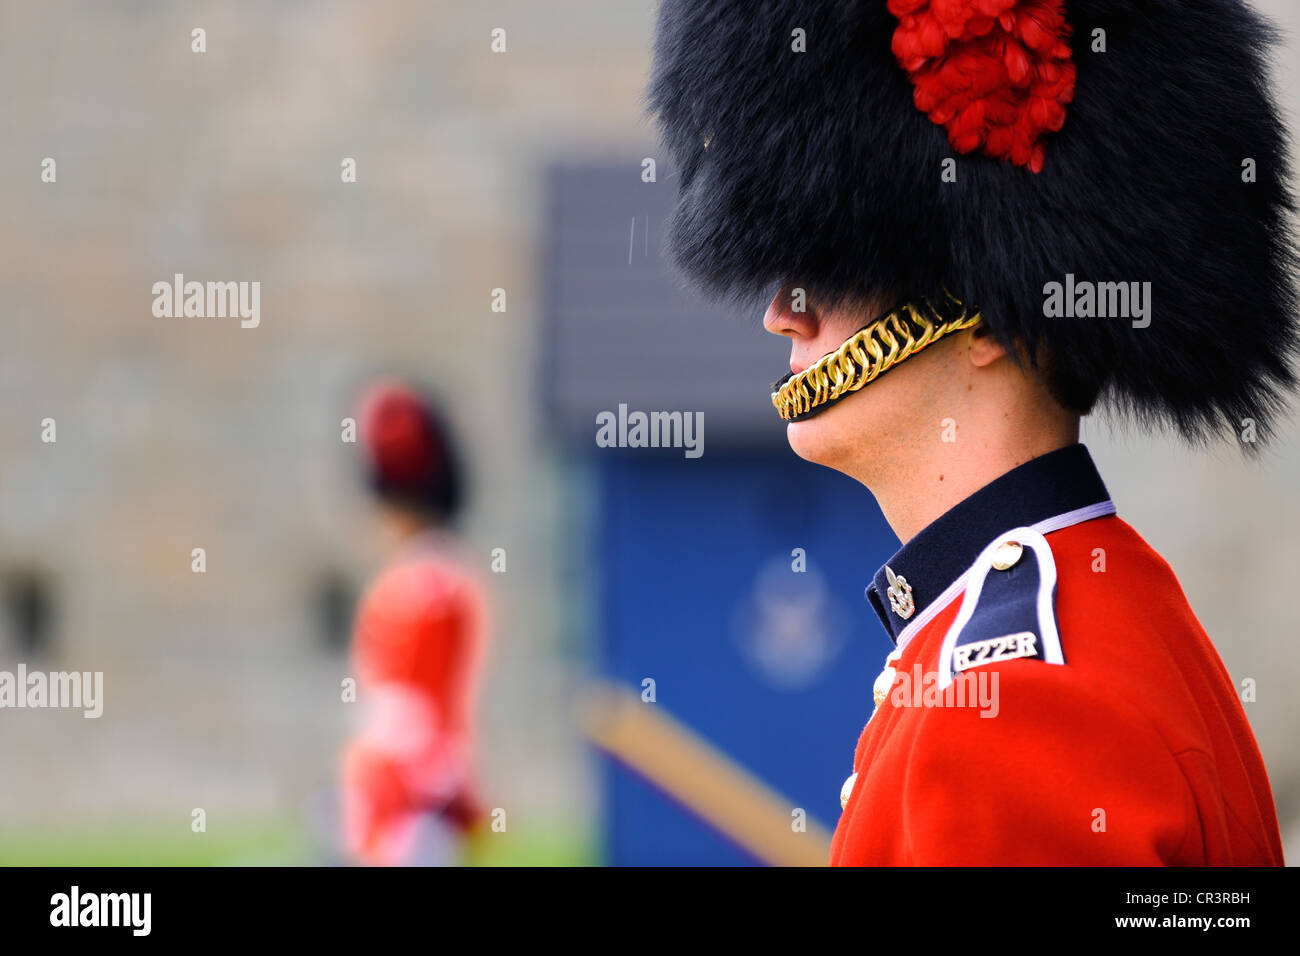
(817, 168)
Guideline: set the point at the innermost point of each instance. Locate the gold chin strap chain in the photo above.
(868, 354)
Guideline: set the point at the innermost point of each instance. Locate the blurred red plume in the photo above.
(996, 74)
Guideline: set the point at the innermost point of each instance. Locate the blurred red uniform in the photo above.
(418, 646)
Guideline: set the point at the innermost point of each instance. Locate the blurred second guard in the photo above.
(409, 788)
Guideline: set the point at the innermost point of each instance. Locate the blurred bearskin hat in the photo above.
(410, 456)
(1109, 140)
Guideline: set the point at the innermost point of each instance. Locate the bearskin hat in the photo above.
(409, 455)
(986, 149)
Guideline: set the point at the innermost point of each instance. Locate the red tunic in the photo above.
(418, 645)
(1128, 747)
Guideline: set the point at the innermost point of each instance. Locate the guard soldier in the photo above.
(409, 787)
(1020, 210)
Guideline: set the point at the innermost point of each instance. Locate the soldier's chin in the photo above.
(827, 438)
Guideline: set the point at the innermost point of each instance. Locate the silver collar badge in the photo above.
(900, 594)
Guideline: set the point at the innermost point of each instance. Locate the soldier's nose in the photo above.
(790, 315)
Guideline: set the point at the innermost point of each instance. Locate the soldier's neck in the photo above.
(937, 476)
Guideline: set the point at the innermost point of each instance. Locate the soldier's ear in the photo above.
(984, 348)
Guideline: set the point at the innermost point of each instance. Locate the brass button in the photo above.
(846, 791)
(880, 690)
(1007, 554)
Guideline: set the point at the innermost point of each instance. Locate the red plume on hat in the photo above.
(996, 74)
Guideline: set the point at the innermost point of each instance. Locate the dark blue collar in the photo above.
(1051, 486)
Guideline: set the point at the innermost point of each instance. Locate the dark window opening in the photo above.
(28, 612)
(332, 603)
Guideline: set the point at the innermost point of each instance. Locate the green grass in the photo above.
(255, 843)
(549, 845)
(137, 844)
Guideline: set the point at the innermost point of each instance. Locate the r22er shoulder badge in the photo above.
(1009, 609)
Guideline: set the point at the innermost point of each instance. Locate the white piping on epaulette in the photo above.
(1051, 647)
(1079, 515)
